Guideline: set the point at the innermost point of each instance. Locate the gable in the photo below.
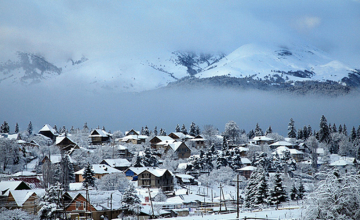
(95, 132)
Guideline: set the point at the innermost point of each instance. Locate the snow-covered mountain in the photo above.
(288, 63)
(269, 65)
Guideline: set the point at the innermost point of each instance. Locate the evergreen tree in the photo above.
(183, 130)
(177, 129)
(130, 201)
(103, 128)
(278, 194)
(353, 134)
(294, 193)
(5, 128)
(305, 132)
(258, 130)
(345, 130)
(256, 189)
(324, 133)
(49, 203)
(149, 159)
(138, 162)
(225, 146)
(358, 133)
(301, 190)
(67, 174)
(16, 128)
(309, 131)
(146, 131)
(291, 129)
(192, 129)
(85, 128)
(142, 131)
(30, 128)
(340, 129)
(268, 131)
(251, 134)
(55, 128)
(330, 128)
(197, 130)
(155, 131)
(334, 129)
(300, 134)
(88, 176)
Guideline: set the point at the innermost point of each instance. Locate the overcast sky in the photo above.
(63, 29)
(60, 30)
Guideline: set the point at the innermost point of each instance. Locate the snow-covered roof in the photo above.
(56, 158)
(248, 168)
(12, 136)
(75, 186)
(119, 162)
(320, 150)
(133, 137)
(100, 199)
(341, 162)
(165, 138)
(155, 171)
(281, 149)
(100, 133)
(25, 173)
(245, 160)
(184, 176)
(179, 134)
(243, 149)
(126, 132)
(262, 138)
(182, 166)
(9, 186)
(100, 169)
(122, 147)
(20, 196)
(175, 145)
(60, 138)
(282, 143)
(48, 127)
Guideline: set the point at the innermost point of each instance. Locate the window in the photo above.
(77, 205)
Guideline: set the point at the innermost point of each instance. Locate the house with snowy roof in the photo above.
(99, 136)
(260, 140)
(156, 178)
(7, 186)
(134, 139)
(48, 131)
(159, 142)
(180, 149)
(99, 170)
(296, 154)
(179, 136)
(119, 163)
(198, 141)
(185, 179)
(246, 171)
(27, 200)
(66, 144)
(282, 143)
(132, 132)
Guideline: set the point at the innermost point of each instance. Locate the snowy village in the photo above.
(190, 173)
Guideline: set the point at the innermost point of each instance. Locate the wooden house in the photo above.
(156, 178)
(132, 132)
(119, 163)
(99, 170)
(79, 207)
(180, 149)
(48, 131)
(99, 136)
(66, 144)
(198, 141)
(246, 171)
(134, 139)
(123, 152)
(27, 200)
(261, 140)
(159, 142)
(179, 136)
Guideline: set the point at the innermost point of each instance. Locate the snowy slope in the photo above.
(264, 61)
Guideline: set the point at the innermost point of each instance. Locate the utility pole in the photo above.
(111, 206)
(220, 198)
(238, 195)
(152, 208)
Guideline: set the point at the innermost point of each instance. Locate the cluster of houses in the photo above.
(23, 190)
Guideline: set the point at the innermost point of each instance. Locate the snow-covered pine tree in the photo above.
(85, 128)
(160, 196)
(340, 129)
(146, 131)
(353, 134)
(261, 194)
(142, 131)
(300, 134)
(192, 131)
(291, 129)
(251, 134)
(130, 201)
(88, 176)
(305, 132)
(301, 190)
(67, 174)
(30, 128)
(16, 128)
(225, 146)
(334, 129)
(258, 130)
(309, 130)
(268, 131)
(358, 133)
(345, 130)
(324, 133)
(197, 130)
(256, 189)
(155, 131)
(138, 162)
(293, 193)
(177, 129)
(183, 129)
(49, 203)
(278, 193)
